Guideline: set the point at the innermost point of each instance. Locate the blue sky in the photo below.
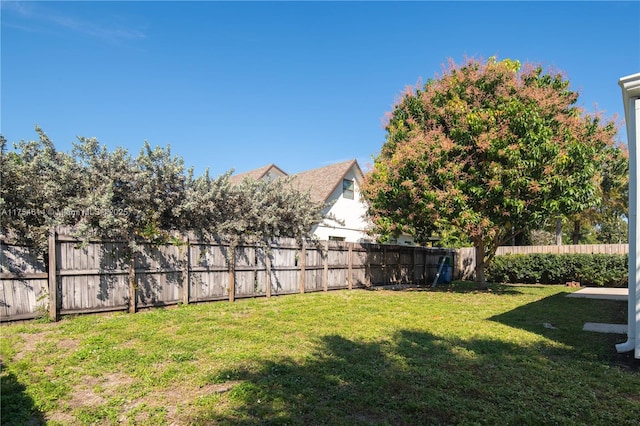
(239, 85)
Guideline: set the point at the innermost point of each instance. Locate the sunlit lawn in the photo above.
(513, 355)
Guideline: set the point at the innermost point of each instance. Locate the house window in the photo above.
(332, 238)
(347, 188)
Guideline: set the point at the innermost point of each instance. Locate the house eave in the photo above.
(339, 181)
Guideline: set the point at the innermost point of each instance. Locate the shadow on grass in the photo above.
(416, 378)
(561, 319)
(470, 287)
(18, 409)
(460, 287)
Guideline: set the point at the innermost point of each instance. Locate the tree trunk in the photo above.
(559, 231)
(481, 280)
(576, 232)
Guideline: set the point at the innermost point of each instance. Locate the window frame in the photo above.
(348, 189)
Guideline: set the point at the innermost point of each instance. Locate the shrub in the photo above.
(606, 270)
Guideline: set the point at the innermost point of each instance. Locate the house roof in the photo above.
(256, 174)
(321, 182)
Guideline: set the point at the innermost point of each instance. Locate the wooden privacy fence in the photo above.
(96, 277)
(566, 249)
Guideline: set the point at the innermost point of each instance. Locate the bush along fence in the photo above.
(610, 270)
(71, 279)
(581, 264)
(602, 264)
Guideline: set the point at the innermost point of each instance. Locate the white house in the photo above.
(338, 185)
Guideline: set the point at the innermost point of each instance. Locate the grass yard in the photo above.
(514, 355)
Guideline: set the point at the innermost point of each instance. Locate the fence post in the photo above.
(267, 264)
(383, 266)
(350, 270)
(303, 266)
(325, 266)
(53, 277)
(186, 264)
(232, 272)
(367, 270)
(454, 260)
(132, 283)
(424, 268)
(413, 265)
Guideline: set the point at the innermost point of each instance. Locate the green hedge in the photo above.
(607, 270)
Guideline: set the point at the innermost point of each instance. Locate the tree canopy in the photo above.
(606, 221)
(491, 148)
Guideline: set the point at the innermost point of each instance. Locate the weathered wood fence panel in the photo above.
(389, 264)
(314, 261)
(208, 272)
(284, 267)
(337, 258)
(159, 275)
(24, 282)
(465, 263)
(566, 249)
(360, 271)
(95, 277)
(245, 271)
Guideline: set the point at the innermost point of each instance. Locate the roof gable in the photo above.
(257, 174)
(321, 182)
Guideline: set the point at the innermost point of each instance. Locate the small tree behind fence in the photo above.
(73, 279)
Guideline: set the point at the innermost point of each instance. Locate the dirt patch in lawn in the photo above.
(92, 392)
(97, 391)
(177, 401)
(30, 343)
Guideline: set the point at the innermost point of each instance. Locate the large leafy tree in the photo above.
(607, 218)
(491, 148)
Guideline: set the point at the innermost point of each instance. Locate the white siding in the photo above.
(352, 224)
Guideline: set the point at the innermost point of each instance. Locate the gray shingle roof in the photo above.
(321, 182)
(256, 174)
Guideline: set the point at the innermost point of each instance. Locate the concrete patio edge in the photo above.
(605, 328)
(605, 293)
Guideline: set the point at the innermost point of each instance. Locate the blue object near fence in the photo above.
(446, 271)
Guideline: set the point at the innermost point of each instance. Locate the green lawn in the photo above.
(513, 355)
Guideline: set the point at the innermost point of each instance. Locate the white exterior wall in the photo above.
(406, 240)
(351, 213)
(631, 97)
(274, 174)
